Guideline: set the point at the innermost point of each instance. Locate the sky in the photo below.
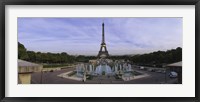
(82, 36)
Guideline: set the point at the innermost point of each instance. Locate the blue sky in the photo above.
(82, 36)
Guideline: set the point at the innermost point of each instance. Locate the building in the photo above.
(25, 69)
(176, 67)
(93, 61)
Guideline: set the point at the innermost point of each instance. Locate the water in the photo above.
(103, 68)
(80, 70)
(127, 74)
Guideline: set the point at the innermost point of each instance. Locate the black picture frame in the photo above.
(3, 3)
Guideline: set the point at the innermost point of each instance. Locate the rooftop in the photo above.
(177, 64)
(22, 63)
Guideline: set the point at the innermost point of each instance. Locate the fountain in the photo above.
(80, 70)
(100, 69)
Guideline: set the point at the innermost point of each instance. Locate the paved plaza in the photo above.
(53, 78)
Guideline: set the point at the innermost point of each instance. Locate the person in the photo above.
(84, 78)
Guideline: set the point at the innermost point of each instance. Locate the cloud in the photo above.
(83, 35)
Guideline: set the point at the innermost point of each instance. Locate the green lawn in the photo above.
(54, 65)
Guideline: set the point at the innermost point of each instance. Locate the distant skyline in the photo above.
(82, 36)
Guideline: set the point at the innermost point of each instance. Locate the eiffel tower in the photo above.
(102, 53)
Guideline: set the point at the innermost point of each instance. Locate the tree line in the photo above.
(40, 57)
(158, 58)
(155, 58)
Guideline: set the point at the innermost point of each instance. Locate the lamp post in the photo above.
(165, 75)
(41, 76)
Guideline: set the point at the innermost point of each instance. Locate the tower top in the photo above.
(103, 36)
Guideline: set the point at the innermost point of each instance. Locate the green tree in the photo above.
(22, 54)
(32, 56)
(38, 57)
